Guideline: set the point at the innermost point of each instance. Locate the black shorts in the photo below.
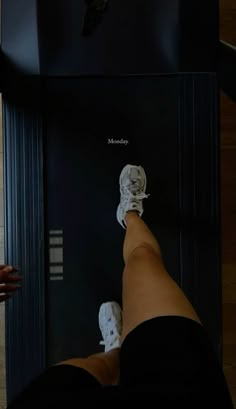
(166, 360)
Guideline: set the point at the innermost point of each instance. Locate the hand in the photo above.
(8, 282)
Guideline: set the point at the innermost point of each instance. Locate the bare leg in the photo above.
(104, 367)
(148, 290)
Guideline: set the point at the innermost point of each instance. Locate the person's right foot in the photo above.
(132, 188)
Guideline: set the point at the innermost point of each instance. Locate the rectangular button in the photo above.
(56, 240)
(56, 255)
(56, 232)
(56, 269)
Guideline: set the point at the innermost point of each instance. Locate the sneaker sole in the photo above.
(104, 307)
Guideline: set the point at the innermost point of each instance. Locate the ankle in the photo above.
(131, 214)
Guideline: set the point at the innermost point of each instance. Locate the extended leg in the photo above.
(148, 290)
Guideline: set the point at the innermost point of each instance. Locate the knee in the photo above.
(144, 251)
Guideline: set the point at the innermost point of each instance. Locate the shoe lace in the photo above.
(132, 187)
(139, 196)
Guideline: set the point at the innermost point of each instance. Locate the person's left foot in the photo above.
(110, 323)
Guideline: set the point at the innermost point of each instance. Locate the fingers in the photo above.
(5, 276)
(8, 288)
(3, 267)
(4, 297)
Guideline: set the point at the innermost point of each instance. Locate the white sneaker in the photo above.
(132, 188)
(110, 323)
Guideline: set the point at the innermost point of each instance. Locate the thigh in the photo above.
(149, 291)
(172, 356)
(55, 386)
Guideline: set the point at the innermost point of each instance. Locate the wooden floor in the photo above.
(228, 191)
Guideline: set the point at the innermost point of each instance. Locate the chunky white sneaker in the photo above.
(110, 323)
(132, 188)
